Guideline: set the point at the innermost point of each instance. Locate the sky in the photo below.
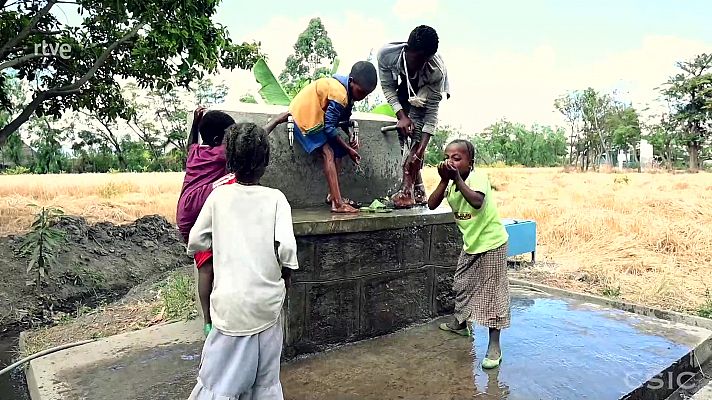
(505, 59)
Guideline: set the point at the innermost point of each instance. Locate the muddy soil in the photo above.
(99, 263)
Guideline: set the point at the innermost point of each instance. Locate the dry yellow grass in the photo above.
(648, 234)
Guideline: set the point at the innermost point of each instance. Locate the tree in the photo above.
(49, 158)
(209, 94)
(691, 95)
(624, 125)
(570, 106)
(14, 150)
(159, 43)
(515, 144)
(109, 131)
(435, 152)
(313, 56)
(374, 99)
(92, 153)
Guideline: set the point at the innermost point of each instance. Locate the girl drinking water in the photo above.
(481, 285)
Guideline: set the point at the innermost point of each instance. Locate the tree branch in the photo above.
(16, 123)
(47, 33)
(61, 91)
(76, 86)
(26, 30)
(19, 60)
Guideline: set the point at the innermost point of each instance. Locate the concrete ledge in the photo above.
(671, 316)
(320, 221)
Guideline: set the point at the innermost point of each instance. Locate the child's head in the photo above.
(247, 151)
(212, 125)
(461, 153)
(422, 45)
(363, 78)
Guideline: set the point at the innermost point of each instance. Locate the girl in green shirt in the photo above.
(481, 284)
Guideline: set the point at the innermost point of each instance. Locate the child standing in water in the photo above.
(249, 229)
(481, 285)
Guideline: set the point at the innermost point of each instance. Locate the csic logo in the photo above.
(668, 380)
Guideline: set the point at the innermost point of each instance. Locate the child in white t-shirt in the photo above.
(249, 228)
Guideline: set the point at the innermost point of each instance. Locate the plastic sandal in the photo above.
(489, 363)
(462, 332)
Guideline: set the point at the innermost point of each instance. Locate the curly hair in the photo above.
(424, 39)
(247, 151)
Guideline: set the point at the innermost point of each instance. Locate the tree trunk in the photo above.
(571, 151)
(668, 156)
(693, 149)
(636, 160)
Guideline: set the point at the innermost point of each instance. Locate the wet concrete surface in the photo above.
(321, 221)
(556, 349)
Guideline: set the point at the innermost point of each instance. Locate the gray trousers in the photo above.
(241, 367)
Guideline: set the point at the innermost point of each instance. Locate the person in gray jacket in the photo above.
(415, 100)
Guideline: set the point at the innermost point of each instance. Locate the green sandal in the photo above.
(462, 332)
(489, 363)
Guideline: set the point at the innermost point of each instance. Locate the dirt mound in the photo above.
(99, 262)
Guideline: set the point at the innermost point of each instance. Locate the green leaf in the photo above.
(271, 91)
(335, 66)
(33, 259)
(384, 109)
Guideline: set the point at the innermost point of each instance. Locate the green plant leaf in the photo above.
(271, 91)
(335, 66)
(384, 109)
(33, 259)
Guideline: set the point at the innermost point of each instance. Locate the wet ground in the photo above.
(556, 349)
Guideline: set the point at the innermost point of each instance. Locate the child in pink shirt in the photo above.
(206, 163)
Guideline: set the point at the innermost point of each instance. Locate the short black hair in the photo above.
(247, 151)
(364, 74)
(424, 39)
(470, 148)
(212, 127)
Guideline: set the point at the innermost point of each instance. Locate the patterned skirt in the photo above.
(481, 288)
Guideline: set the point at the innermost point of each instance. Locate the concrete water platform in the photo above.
(559, 347)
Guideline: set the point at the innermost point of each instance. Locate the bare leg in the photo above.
(404, 197)
(278, 119)
(332, 179)
(494, 350)
(411, 175)
(337, 162)
(205, 288)
(419, 188)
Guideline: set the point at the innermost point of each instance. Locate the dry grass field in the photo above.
(644, 238)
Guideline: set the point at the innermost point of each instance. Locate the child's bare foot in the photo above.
(343, 200)
(343, 209)
(419, 195)
(403, 200)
